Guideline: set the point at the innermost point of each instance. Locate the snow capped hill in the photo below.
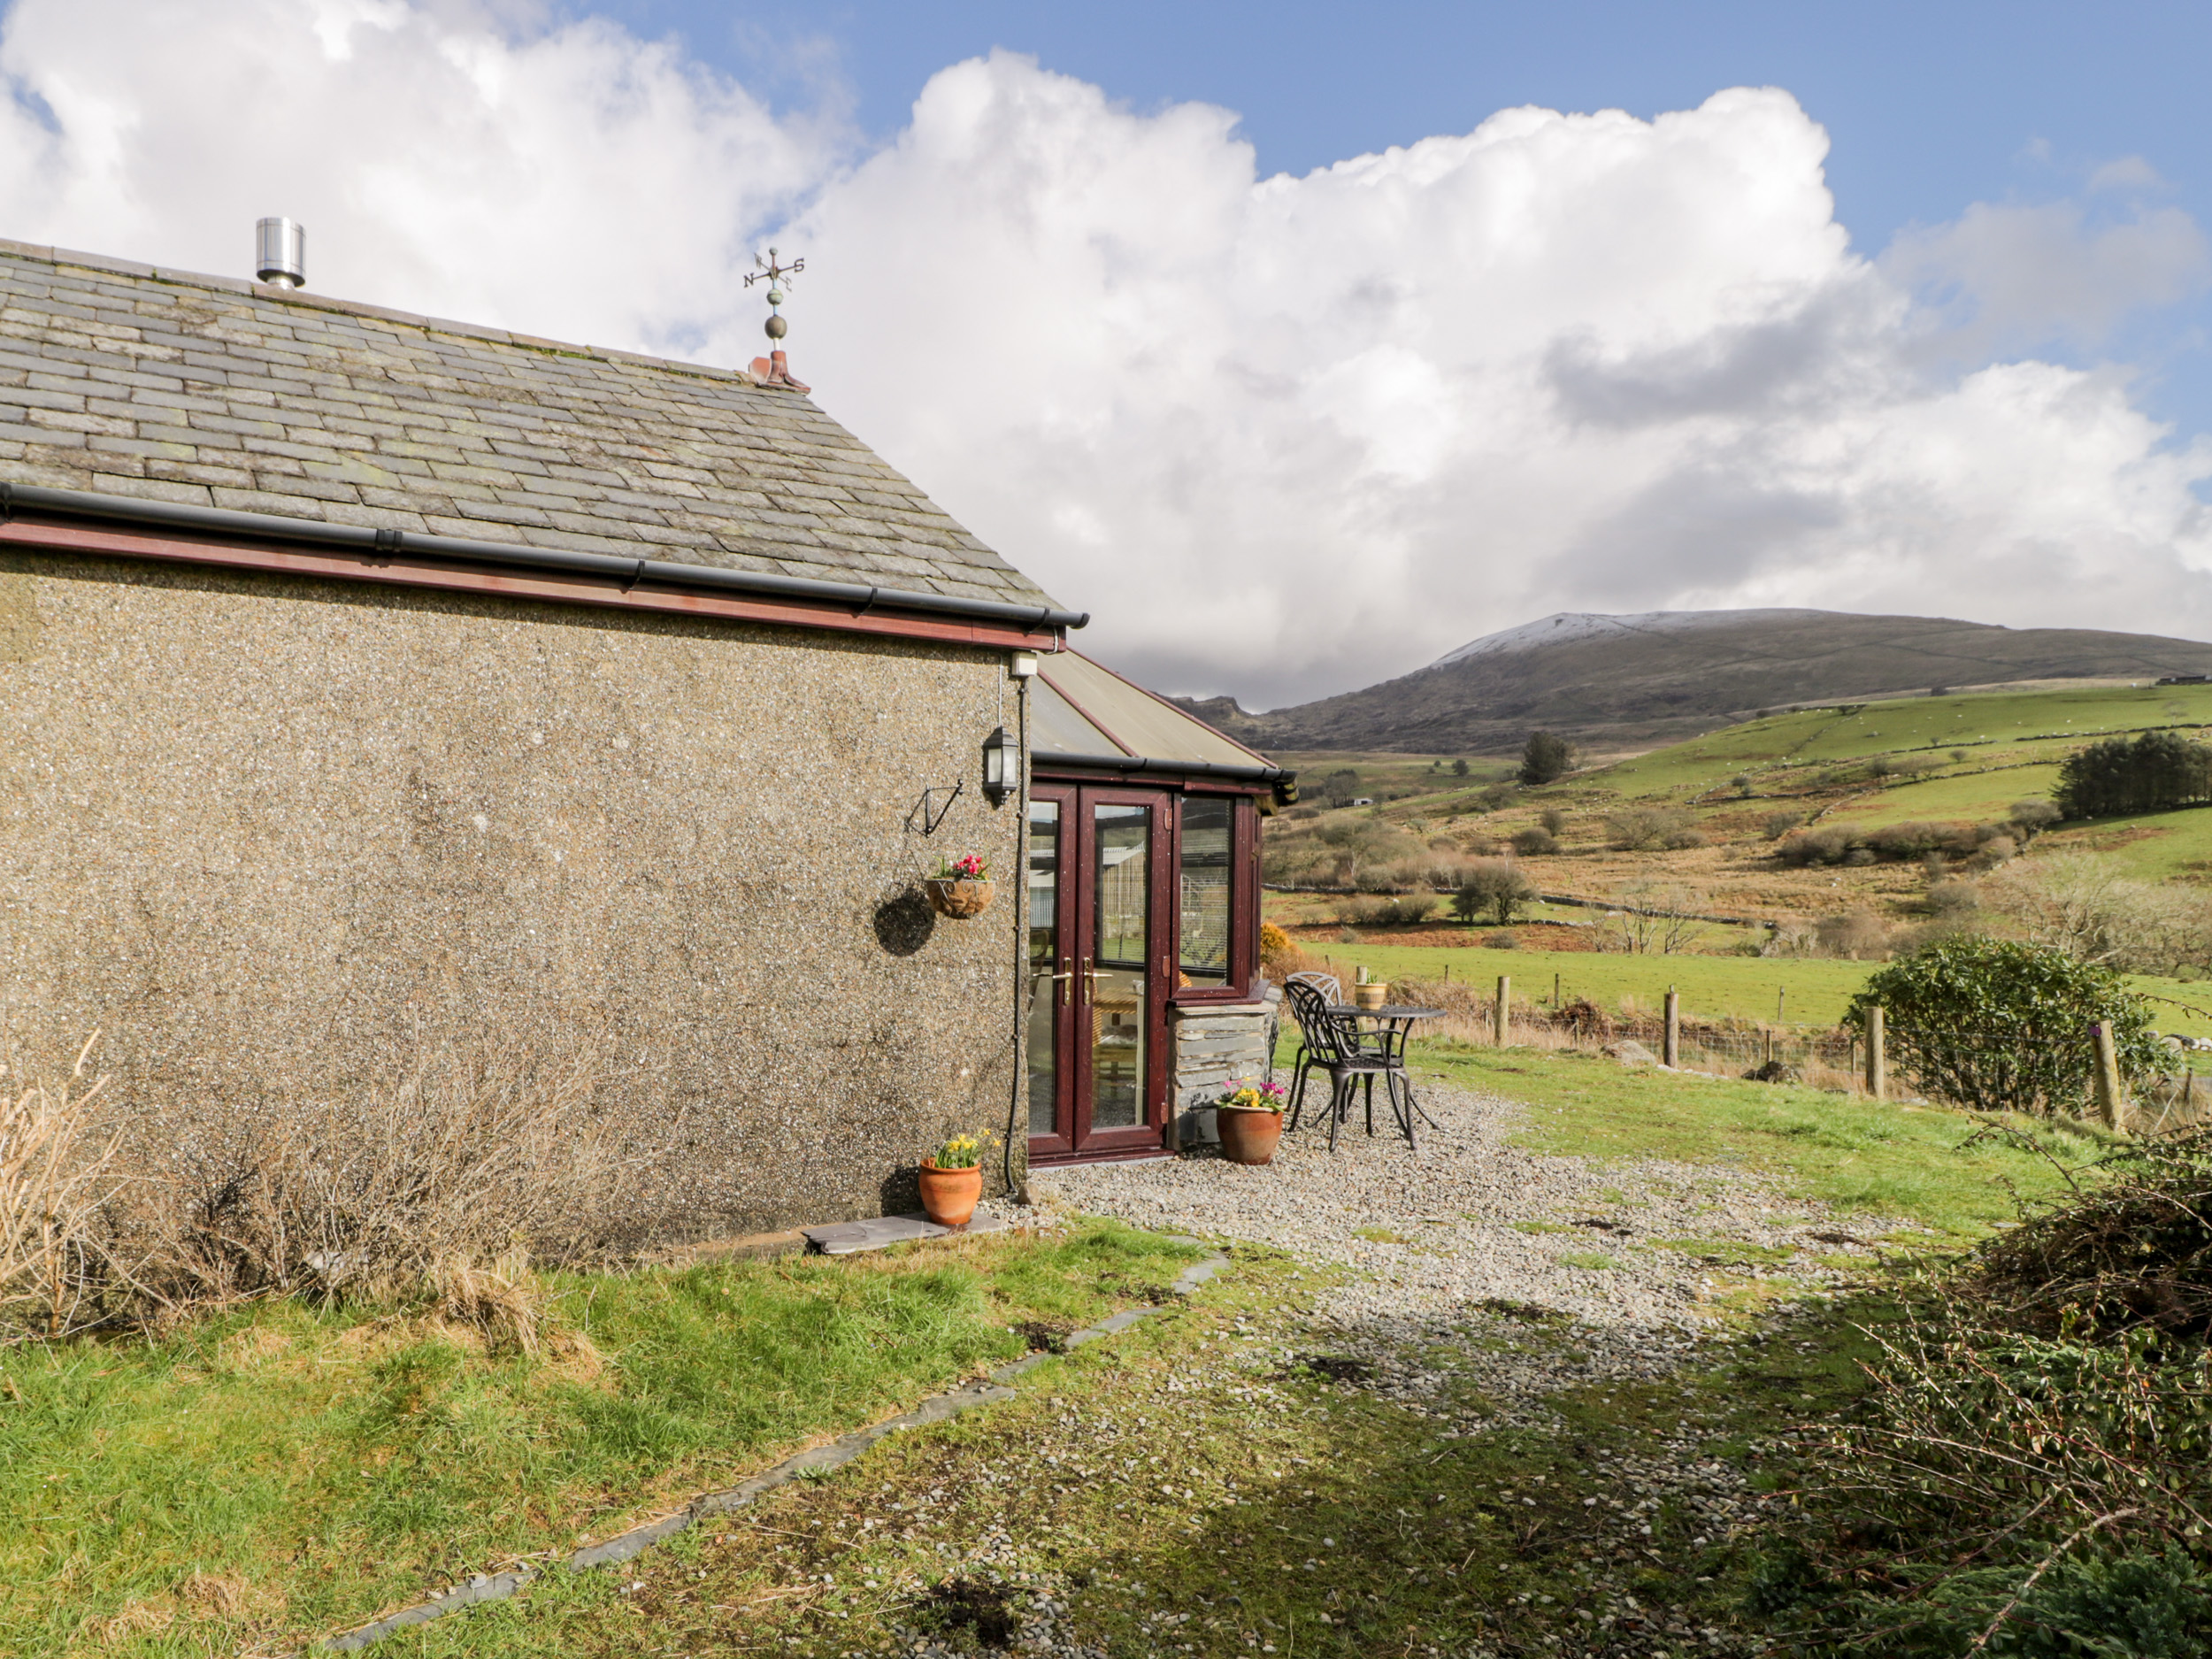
(1583, 625)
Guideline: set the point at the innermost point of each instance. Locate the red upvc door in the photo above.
(1101, 969)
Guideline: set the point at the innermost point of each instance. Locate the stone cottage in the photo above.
(370, 682)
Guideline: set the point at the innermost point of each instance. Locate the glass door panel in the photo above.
(1121, 908)
(1048, 977)
(1096, 1013)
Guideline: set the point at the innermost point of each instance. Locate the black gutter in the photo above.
(1282, 778)
(385, 545)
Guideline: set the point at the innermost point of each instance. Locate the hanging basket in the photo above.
(958, 897)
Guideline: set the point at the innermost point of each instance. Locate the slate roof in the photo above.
(135, 381)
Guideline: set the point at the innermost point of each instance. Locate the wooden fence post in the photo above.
(1504, 1008)
(1670, 1045)
(1876, 1059)
(2111, 1097)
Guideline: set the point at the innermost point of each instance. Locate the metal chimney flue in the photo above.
(279, 256)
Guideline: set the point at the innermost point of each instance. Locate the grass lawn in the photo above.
(1861, 1157)
(1175, 1502)
(281, 1472)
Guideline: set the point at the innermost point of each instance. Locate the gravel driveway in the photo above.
(1469, 1218)
(1472, 1232)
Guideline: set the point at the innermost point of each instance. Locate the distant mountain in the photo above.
(1623, 681)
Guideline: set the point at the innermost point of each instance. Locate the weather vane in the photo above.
(775, 273)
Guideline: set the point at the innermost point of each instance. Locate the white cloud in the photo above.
(2010, 277)
(460, 159)
(1282, 436)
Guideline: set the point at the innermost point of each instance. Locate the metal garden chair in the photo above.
(1333, 1044)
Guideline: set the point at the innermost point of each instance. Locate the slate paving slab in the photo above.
(844, 1238)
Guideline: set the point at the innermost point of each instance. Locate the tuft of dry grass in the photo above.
(134, 1618)
(56, 1186)
(499, 1298)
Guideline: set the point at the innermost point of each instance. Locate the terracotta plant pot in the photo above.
(957, 896)
(1372, 995)
(948, 1195)
(1248, 1136)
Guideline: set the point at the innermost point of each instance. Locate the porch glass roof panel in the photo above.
(1075, 697)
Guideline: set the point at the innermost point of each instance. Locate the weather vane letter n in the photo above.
(773, 369)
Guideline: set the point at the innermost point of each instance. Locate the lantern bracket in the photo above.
(929, 811)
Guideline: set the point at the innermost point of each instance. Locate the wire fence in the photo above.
(1831, 1058)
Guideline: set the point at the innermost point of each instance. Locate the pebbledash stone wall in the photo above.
(274, 838)
(1214, 1045)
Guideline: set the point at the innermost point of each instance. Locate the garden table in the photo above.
(1364, 1053)
(1395, 1023)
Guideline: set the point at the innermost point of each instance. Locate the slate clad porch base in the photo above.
(844, 1238)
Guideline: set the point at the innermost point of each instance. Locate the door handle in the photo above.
(1061, 980)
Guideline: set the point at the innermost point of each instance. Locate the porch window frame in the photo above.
(1244, 899)
(1244, 870)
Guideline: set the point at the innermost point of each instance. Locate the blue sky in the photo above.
(1930, 107)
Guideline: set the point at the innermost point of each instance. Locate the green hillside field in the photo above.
(2040, 723)
(1974, 796)
(2156, 847)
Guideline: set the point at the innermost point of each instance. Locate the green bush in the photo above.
(2001, 1026)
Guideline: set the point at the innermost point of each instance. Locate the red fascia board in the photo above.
(551, 587)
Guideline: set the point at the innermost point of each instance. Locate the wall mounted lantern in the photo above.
(999, 760)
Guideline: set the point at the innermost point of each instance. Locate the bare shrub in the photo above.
(1410, 908)
(1494, 888)
(1553, 820)
(1909, 841)
(477, 1152)
(1793, 938)
(1532, 841)
(1656, 917)
(1643, 829)
(1824, 844)
(1780, 824)
(1951, 897)
(56, 1182)
(2080, 903)
(1855, 935)
(1997, 849)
